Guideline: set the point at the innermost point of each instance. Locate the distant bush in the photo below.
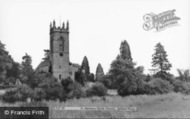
(25, 91)
(73, 89)
(105, 80)
(148, 89)
(11, 96)
(178, 86)
(158, 86)
(76, 91)
(181, 86)
(49, 89)
(186, 88)
(39, 94)
(19, 94)
(53, 89)
(97, 89)
(131, 86)
(127, 88)
(66, 83)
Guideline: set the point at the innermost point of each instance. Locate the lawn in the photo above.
(172, 105)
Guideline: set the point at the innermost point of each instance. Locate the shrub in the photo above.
(130, 86)
(19, 94)
(178, 85)
(148, 89)
(127, 88)
(159, 86)
(53, 90)
(181, 86)
(11, 96)
(186, 88)
(49, 89)
(25, 91)
(76, 91)
(97, 89)
(66, 83)
(39, 94)
(105, 80)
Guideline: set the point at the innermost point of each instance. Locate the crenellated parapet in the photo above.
(63, 28)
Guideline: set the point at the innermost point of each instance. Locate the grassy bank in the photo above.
(173, 105)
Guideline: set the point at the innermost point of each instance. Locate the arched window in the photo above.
(61, 47)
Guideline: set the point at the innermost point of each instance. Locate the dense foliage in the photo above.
(73, 89)
(20, 94)
(123, 76)
(26, 68)
(158, 86)
(98, 89)
(9, 69)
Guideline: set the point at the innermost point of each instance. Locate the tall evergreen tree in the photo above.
(160, 61)
(85, 66)
(99, 72)
(125, 52)
(26, 67)
(86, 70)
(82, 74)
(122, 68)
(124, 76)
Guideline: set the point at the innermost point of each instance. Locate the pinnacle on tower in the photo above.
(54, 24)
(63, 26)
(67, 25)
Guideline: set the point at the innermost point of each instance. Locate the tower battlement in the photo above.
(62, 28)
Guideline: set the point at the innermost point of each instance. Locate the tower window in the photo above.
(60, 66)
(59, 76)
(61, 43)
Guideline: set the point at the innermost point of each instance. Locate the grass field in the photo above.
(173, 105)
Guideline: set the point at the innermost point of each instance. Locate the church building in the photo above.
(58, 62)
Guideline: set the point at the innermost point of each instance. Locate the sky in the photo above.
(97, 28)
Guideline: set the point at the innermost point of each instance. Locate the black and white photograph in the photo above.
(91, 59)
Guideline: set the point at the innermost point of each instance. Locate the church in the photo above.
(58, 62)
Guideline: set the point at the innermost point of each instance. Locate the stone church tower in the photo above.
(59, 49)
(59, 64)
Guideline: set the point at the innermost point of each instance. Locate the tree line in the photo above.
(124, 76)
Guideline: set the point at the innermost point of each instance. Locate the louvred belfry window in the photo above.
(61, 44)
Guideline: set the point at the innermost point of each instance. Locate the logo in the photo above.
(160, 21)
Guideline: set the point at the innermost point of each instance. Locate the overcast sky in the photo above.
(97, 28)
